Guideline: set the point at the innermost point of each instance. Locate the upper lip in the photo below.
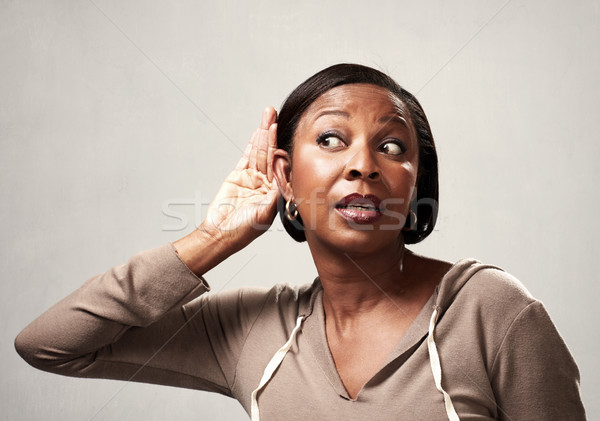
(367, 200)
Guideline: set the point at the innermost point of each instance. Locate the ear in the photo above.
(282, 171)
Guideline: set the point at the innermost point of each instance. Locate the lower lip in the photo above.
(358, 216)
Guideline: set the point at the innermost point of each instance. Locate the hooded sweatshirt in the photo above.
(481, 348)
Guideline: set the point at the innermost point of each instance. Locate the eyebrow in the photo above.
(384, 120)
(394, 118)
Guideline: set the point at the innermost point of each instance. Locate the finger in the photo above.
(254, 151)
(243, 162)
(264, 123)
(262, 148)
(269, 117)
(259, 153)
(271, 150)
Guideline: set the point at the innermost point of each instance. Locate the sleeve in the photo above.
(130, 324)
(534, 376)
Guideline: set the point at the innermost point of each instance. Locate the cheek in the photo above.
(401, 187)
(400, 178)
(312, 173)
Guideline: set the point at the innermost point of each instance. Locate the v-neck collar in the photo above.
(314, 331)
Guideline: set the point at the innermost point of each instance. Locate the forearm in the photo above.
(137, 293)
(90, 332)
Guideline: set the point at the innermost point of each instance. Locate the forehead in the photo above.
(352, 98)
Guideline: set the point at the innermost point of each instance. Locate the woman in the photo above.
(382, 333)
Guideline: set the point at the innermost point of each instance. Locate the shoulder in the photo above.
(485, 301)
(507, 334)
(488, 287)
(279, 293)
(280, 298)
(490, 282)
(495, 310)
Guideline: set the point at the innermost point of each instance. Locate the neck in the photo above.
(356, 285)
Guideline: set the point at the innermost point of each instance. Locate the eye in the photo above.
(392, 147)
(330, 141)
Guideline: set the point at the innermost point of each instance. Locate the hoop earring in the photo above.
(291, 210)
(413, 223)
(414, 215)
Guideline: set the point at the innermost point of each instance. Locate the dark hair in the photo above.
(425, 205)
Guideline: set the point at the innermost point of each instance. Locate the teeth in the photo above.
(361, 207)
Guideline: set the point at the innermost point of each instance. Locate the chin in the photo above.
(357, 242)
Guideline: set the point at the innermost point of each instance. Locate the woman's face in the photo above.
(354, 168)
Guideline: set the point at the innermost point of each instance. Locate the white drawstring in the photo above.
(271, 367)
(434, 360)
(436, 367)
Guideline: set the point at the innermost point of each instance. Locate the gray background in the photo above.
(115, 115)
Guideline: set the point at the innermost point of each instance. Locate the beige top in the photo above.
(147, 320)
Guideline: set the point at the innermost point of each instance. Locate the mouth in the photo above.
(360, 209)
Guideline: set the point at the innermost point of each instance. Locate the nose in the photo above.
(362, 165)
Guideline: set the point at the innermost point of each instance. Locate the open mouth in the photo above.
(359, 209)
(358, 202)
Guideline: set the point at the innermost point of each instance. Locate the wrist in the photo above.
(201, 250)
